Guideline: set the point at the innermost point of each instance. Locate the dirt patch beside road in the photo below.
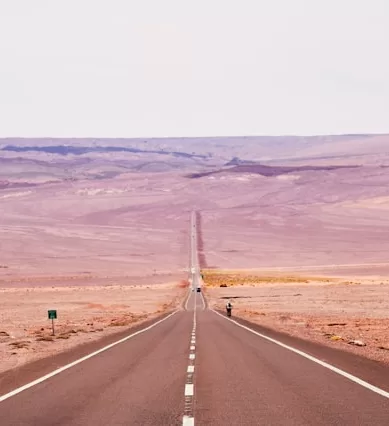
(214, 278)
(84, 314)
(352, 315)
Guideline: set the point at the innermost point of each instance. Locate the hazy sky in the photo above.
(193, 68)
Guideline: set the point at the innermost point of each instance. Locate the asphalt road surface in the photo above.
(199, 367)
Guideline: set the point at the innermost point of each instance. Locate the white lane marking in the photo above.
(324, 364)
(188, 421)
(189, 389)
(202, 298)
(187, 299)
(78, 361)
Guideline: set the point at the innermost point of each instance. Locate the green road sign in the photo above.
(52, 314)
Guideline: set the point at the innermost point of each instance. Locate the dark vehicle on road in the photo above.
(198, 289)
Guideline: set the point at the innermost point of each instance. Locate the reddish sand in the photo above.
(84, 314)
(121, 218)
(334, 313)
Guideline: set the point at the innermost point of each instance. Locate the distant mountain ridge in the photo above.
(80, 150)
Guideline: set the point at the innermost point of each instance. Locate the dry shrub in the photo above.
(122, 321)
(284, 318)
(45, 339)
(22, 344)
(63, 336)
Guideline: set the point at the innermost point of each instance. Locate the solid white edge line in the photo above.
(202, 297)
(78, 361)
(187, 300)
(190, 369)
(187, 421)
(316, 360)
(189, 389)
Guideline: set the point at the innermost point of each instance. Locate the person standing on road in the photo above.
(229, 308)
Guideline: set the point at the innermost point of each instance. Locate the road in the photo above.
(194, 261)
(199, 367)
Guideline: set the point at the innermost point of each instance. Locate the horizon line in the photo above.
(194, 137)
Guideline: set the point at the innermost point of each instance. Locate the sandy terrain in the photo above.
(248, 221)
(331, 311)
(84, 314)
(64, 230)
(312, 202)
(110, 213)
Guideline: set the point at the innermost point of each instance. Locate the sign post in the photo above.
(52, 314)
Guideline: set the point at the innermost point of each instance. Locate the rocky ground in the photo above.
(350, 314)
(85, 313)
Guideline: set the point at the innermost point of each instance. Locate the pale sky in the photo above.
(148, 68)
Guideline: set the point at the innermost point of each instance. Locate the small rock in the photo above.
(335, 338)
(357, 343)
(383, 348)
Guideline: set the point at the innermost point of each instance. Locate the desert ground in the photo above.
(351, 315)
(84, 314)
(114, 214)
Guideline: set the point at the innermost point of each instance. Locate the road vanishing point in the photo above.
(195, 366)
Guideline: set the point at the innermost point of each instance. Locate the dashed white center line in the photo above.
(188, 421)
(188, 418)
(189, 389)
